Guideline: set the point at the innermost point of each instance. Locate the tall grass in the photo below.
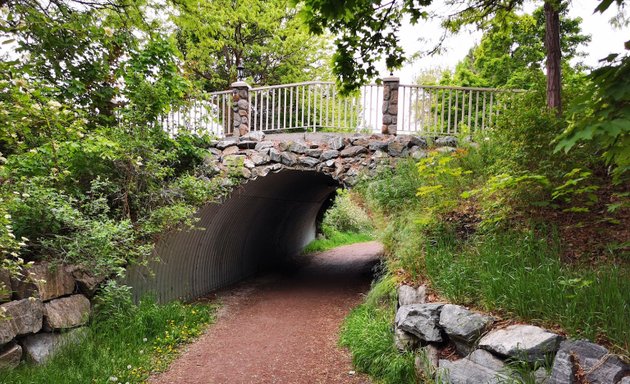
(335, 239)
(367, 332)
(520, 273)
(127, 350)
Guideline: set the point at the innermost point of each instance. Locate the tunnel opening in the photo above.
(264, 225)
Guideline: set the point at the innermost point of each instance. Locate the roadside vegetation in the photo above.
(346, 222)
(125, 343)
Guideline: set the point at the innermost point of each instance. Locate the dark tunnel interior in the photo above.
(264, 222)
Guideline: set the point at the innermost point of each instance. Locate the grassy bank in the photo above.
(125, 348)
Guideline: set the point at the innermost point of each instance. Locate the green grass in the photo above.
(125, 350)
(368, 333)
(521, 274)
(336, 239)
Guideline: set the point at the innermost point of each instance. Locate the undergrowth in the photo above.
(336, 239)
(126, 348)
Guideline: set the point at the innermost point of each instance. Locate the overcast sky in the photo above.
(605, 40)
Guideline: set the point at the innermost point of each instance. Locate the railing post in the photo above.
(240, 108)
(390, 105)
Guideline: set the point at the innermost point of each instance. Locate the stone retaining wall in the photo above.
(456, 345)
(44, 310)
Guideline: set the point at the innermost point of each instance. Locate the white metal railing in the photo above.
(210, 115)
(314, 106)
(443, 110)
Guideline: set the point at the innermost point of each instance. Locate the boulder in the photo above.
(229, 151)
(259, 159)
(541, 376)
(313, 152)
(264, 145)
(417, 141)
(468, 371)
(67, 312)
(446, 141)
(361, 141)
(445, 149)
(397, 149)
(20, 317)
(417, 153)
(404, 341)
(378, 145)
(486, 359)
(336, 143)
(298, 147)
(353, 151)
(10, 356)
(87, 281)
(594, 360)
(307, 161)
(247, 144)
(37, 348)
(420, 320)
(288, 158)
(409, 295)
(329, 154)
(275, 155)
(45, 281)
(254, 136)
(463, 327)
(524, 342)
(227, 142)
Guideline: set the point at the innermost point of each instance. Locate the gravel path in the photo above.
(283, 329)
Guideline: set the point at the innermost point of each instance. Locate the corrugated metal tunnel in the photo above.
(264, 221)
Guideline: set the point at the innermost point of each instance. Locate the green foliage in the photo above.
(335, 239)
(125, 343)
(368, 333)
(267, 36)
(602, 115)
(345, 216)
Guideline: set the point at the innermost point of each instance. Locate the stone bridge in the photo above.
(289, 180)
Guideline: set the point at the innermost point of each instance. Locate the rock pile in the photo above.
(486, 355)
(47, 311)
(338, 156)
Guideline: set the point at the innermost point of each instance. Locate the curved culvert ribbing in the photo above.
(263, 221)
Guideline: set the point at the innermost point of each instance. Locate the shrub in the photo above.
(345, 216)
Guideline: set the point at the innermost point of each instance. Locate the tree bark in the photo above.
(552, 46)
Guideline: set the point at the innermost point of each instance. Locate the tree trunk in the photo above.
(552, 46)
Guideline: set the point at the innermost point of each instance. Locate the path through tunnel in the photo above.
(263, 223)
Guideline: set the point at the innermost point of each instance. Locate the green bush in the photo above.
(345, 216)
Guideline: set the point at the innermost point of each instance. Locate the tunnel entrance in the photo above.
(264, 222)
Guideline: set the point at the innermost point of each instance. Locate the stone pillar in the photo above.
(240, 108)
(390, 105)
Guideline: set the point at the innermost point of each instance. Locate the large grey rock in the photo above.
(10, 356)
(397, 149)
(353, 151)
(446, 141)
(420, 320)
(541, 376)
(45, 281)
(594, 360)
(486, 359)
(404, 341)
(307, 161)
(275, 155)
(467, 371)
(259, 159)
(378, 145)
(625, 380)
(525, 342)
(409, 295)
(67, 312)
(361, 141)
(37, 348)
(329, 154)
(288, 158)
(20, 317)
(264, 145)
(254, 136)
(313, 152)
(227, 142)
(229, 151)
(247, 144)
(336, 142)
(298, 147)
(87, 281)
(417, 141)
(463, 327)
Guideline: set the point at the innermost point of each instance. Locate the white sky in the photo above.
(604, 40)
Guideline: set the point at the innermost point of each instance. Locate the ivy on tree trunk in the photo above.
(552, 45)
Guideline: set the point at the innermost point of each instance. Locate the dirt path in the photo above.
(283, 329)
